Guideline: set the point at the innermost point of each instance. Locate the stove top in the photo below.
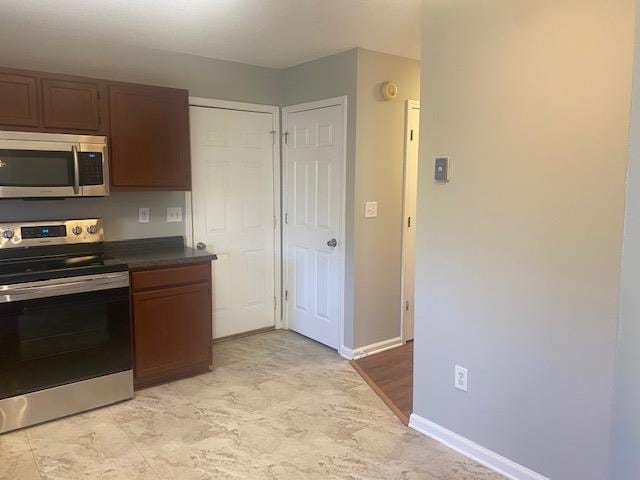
(34, 251)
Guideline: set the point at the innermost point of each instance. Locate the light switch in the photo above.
(371, 209)
(174, 214)
(442, 169)
(143, 215)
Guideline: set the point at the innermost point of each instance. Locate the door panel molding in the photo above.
(293, 137)
(274, 111)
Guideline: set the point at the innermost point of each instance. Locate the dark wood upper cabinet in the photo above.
(70, 105)
(148, 127)
(18, 100)
(149, 138)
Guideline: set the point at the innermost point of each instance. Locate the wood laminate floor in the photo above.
(390, 374)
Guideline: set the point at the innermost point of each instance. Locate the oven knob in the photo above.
(7, 234)
(77, 230)
(92, 229)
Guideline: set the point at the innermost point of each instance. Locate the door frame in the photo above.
(277, 189)
(324, 103)
(409, 105)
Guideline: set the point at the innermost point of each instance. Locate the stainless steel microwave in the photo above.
(36, 165)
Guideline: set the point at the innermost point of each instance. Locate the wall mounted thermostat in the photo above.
(442, 169)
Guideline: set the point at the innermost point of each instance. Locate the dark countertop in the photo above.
(156, 252)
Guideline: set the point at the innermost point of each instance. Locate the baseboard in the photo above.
(354, 354)
(472, 450)
(346, 352)
(249, 333)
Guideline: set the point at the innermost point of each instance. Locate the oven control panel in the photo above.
(53, 232)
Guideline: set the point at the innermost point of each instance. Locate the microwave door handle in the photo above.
(76, 171)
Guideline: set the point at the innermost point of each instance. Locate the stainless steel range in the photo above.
(65, 331)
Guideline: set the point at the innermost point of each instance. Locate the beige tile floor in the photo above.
(276, 406)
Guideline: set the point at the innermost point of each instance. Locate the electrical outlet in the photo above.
(174, 214)
(460, 380)
(370, 209)
(143, 215)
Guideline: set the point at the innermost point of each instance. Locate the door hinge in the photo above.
(286, 137)
(273, 137)
(286, 218)
(286, 295)
(409, 222)
(275, 303)
(411, 135)
(406, 306)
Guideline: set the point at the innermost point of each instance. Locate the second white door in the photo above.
(233, 166)
(313, 250)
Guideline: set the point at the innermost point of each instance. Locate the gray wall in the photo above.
(329, 77)
(518, 257)
(625, 452)
(119, 210)
(379, 177)
(201, 76)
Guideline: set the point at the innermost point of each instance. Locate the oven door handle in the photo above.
(76, 170)
(63, 286)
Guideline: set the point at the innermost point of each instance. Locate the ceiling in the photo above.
(270, 33)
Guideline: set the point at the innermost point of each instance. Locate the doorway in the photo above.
(313, 231)
(235, 201)
(412, 141)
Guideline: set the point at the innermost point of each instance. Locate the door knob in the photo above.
(332, 243)
(201, 246)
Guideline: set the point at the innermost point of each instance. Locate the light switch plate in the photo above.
(174, 214)
(143, 215)
(370, 209)
(442, 169)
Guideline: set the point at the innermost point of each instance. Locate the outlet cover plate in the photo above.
(143, 215)
(461, 377)
(174, 214)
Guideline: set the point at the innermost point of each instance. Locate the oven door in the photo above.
(60, 331)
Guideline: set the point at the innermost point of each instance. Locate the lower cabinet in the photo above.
(171, 323)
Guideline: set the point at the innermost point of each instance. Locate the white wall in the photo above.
(518, 257)
(625, 445)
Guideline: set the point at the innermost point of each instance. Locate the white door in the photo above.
(409, 229)
(313, 249)
(233, 165)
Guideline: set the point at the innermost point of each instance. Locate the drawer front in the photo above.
(168, 277)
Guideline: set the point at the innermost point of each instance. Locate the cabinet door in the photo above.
(18, 100)
(149, 138)
(70, 104)
(172, 332)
